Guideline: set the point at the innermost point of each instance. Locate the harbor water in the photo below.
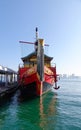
(55, 110)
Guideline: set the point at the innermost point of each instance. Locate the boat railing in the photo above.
(53, 65)
(21, 65)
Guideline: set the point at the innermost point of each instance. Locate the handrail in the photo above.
(53, 64)
(21, 65)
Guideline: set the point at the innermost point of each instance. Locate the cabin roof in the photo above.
(34, 54)
(4, 70)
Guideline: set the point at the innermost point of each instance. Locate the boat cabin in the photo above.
(31, 60)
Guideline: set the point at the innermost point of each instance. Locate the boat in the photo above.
(37, 75)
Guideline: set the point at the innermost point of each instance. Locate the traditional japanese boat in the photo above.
(37, 75)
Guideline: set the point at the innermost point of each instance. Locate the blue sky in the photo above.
(59, 23)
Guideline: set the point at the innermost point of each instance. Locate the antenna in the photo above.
(36, 33)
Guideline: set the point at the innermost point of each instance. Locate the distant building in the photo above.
(72, 76)
(64, 76)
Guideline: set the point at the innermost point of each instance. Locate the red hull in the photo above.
(29, 79)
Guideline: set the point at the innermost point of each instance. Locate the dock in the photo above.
(8, 81)
(8, 90)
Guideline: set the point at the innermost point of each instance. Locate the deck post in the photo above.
(6, 80)
(1, 78)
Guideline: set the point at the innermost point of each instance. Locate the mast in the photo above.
(41, 60)
(40, 56)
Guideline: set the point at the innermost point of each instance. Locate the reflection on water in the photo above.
(48, 112)
(23, 113)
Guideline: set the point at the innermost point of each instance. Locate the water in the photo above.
(56, 110)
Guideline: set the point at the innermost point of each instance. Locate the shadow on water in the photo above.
(9, 99)
(25, 98)
(5, 100)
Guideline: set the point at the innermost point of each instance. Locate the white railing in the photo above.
(21, 65)
(53, 64)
